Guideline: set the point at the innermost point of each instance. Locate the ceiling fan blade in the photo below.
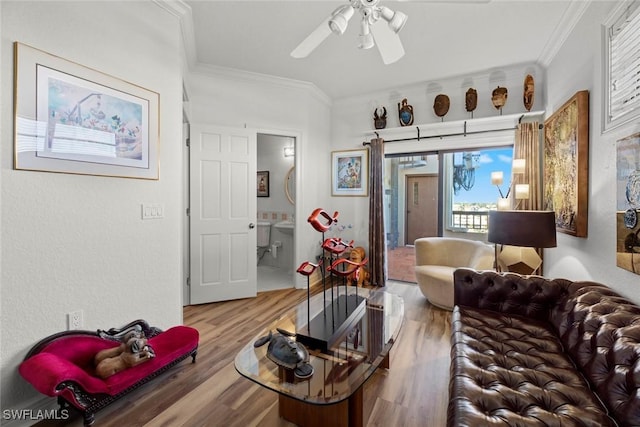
(388, 42)
(313, 40)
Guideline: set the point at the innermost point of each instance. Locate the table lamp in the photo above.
(519, 233)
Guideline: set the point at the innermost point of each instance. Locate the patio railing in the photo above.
(473, 221)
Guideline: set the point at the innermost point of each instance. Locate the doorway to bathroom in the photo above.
(275, 211)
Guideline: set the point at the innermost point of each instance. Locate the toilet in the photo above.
(264, 237)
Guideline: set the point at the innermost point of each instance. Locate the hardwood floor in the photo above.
(413, 392)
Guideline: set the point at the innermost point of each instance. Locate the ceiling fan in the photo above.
(373, 31)
(379, 26)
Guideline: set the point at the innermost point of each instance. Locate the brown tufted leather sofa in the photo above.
(529, 351)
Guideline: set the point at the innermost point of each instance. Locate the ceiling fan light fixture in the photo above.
(340, 19)
(366, 39)
(396, 20)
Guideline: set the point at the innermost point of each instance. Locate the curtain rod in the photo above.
(464, 133)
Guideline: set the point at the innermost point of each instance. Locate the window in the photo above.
(622, 65)
(469, 194)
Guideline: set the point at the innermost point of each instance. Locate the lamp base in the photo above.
(517, 259)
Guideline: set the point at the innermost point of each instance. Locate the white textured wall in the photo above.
(281, 108)
(72, 242)
(352, 120)
(578, 66)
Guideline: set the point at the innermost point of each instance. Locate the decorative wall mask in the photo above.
(441, 105)
(380, 117)
(405, 113)
(499, 97)
(471, 99)
(529, 89)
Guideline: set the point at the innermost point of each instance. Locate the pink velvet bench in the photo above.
(61, 365)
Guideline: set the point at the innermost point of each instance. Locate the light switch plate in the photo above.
(152, 211)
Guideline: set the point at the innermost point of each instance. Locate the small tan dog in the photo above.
(131, 352)
(361, 275)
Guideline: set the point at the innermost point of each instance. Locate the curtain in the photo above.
(377, 235)
(527, 146)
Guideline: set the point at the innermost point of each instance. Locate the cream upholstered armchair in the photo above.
(438, 257)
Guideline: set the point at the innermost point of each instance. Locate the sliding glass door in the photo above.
(438, 194)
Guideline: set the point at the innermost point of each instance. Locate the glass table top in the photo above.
(347, 363)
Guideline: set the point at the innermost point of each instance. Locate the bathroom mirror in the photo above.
(290, 185)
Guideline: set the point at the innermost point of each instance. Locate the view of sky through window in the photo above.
(490, 160)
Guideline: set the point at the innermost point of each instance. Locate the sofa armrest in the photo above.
(424, 251)
(531, 296)
(483, 258)
(46, 371)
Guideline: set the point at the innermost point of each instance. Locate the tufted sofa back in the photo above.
(597, 327)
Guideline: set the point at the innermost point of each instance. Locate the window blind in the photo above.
(624, 65)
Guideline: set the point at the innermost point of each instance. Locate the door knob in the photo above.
(252, 226)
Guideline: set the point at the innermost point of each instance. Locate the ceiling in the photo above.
(442, 38)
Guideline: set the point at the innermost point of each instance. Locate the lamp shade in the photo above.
(496, 178)
(535, 229)
(518, 165)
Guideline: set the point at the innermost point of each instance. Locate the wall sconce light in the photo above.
(289, 151)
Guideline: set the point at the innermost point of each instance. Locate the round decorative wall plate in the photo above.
(632, 192)
(630, 218)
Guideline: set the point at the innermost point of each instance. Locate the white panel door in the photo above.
(223, 213)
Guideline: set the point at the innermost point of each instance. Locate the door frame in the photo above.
(298, 282)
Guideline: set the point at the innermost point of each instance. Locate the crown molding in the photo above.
(569, 20)
(237, 75)
(182, 11)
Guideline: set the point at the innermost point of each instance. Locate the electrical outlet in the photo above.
(74, 320)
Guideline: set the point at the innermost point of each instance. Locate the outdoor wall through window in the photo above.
(438, 194)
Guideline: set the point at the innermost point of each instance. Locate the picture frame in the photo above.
(73, 119)
(262, 183)
(566, 165)
(350, 173)
(628, 203)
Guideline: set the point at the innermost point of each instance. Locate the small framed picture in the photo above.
(262, 184)
(350, 173)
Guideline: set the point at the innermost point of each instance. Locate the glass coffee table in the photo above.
(333, 394)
